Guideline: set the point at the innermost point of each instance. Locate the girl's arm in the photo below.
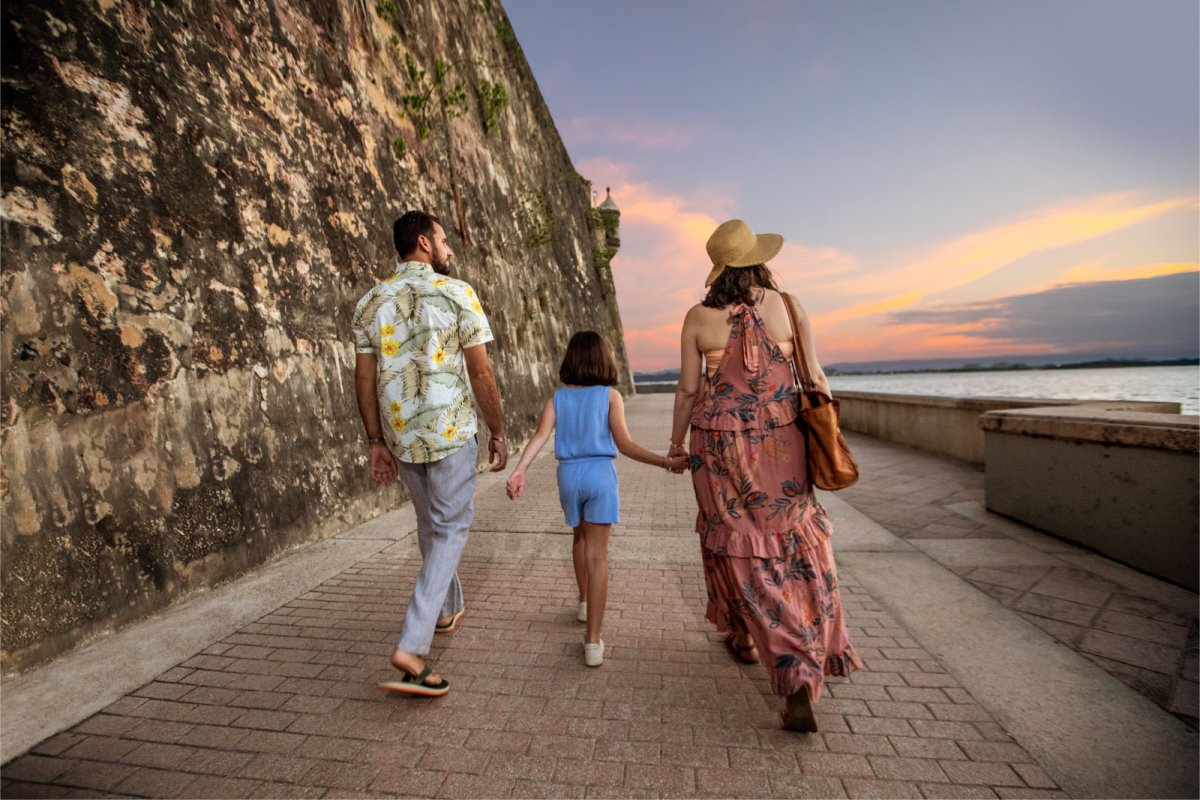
(626, 445)
(688, 386)
(516, 481)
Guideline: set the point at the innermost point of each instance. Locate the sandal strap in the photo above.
(419, 678)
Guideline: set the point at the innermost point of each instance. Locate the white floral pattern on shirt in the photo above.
(418, 323)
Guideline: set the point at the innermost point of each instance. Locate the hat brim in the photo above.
(766, 248)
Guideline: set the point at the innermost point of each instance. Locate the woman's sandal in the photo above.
(747, 653)
(799, 716)
(415, 684)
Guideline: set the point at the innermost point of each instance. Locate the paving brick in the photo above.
(37, 769)
(153, 730)
(629, 752)
(265, 720)
(97, 775)
(883, 726)
(792, 785)
(537, 790)
(862, 743)
(341, 775)
(408, 782)
(914, 747)
(1034, 776)
(271, 791)
(105, 725)
(885, 790)
(56, 744)
(561, 746)
(269, 742)
(222, 787)
(459, 785)
(162, 691)
(454, 759)
(955, 791)
(660, 778)
(906, 768)
(155, 783)
(914, 694)
(995, 751)
(101, 748)
(981, 772)
(732, 783)
(589, 773)
(945, 730)
(534, 768)
(1025, 793)
(898, 710)
(839, 765)
(330, 748)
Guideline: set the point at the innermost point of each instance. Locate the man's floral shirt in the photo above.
(417, 323)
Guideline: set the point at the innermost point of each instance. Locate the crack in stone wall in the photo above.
(194, 196)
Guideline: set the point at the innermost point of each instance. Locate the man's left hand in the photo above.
(383, 464)
(497, 453)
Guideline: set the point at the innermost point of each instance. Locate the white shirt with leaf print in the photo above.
(417, 323)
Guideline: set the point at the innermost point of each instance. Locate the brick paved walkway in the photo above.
(286, 705)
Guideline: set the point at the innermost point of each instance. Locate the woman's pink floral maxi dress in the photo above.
(764, 539)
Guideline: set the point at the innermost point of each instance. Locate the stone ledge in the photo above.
(1104, 423)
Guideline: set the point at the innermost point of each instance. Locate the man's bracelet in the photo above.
(374, 440)
(676, 444)
(498, 439)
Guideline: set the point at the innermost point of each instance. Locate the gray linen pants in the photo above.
(443, 495)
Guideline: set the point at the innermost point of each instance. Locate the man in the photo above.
(414, 332)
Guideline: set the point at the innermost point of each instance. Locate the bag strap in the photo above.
(798, 357)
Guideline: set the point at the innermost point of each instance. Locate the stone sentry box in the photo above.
(1120, 482)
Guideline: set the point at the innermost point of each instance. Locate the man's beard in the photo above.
(440, 264)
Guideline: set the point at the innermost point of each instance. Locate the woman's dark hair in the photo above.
(407, 228)
(736, 285)
(589, 361)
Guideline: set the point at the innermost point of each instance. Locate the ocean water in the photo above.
(1175, 384)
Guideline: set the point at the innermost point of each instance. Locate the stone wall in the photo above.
(194, 195)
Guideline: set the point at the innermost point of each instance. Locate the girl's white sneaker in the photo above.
(581, 614)
(593, 654)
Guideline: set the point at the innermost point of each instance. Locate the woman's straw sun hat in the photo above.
(733, 244)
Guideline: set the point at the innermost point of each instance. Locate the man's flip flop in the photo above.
(415, 684)
(452, 625)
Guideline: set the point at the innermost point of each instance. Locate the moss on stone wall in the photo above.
(194, 195)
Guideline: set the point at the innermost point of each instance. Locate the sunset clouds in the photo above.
(951, 180)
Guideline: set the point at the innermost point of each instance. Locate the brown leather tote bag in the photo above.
(830, 463)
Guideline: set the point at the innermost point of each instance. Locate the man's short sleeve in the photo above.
(362, 336)
(473, 327)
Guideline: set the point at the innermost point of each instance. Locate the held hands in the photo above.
(676, 464)
(516, 484)
(677, 454)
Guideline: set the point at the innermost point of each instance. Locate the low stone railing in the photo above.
(1123, 483)
(947, 425)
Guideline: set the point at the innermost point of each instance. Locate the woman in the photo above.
(764, 539)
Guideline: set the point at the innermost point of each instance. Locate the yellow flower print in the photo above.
(398, 423)
(478, 309)
(439, 282)
(387, 330)
(470, 292)
(439, 355)
(450, 432)
(390, 347)
(394, 408)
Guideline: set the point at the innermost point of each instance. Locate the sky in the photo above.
(951, 178)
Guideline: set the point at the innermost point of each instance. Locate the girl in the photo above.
(590, 417)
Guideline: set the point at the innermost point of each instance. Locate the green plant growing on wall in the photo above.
(386, 9)
(493, 98)
(534, 216)
(508, 38)
(399, 146)
(428, 94)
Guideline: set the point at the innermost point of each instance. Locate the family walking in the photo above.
(769, 571)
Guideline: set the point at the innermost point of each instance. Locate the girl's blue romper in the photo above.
(584, 447)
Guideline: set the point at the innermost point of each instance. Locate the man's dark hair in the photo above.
(736, 285)
(589, 361)
(407, 228)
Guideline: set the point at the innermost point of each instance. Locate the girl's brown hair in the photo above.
(589, 361)
(735, 285)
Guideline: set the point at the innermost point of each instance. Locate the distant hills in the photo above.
(978, 364)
